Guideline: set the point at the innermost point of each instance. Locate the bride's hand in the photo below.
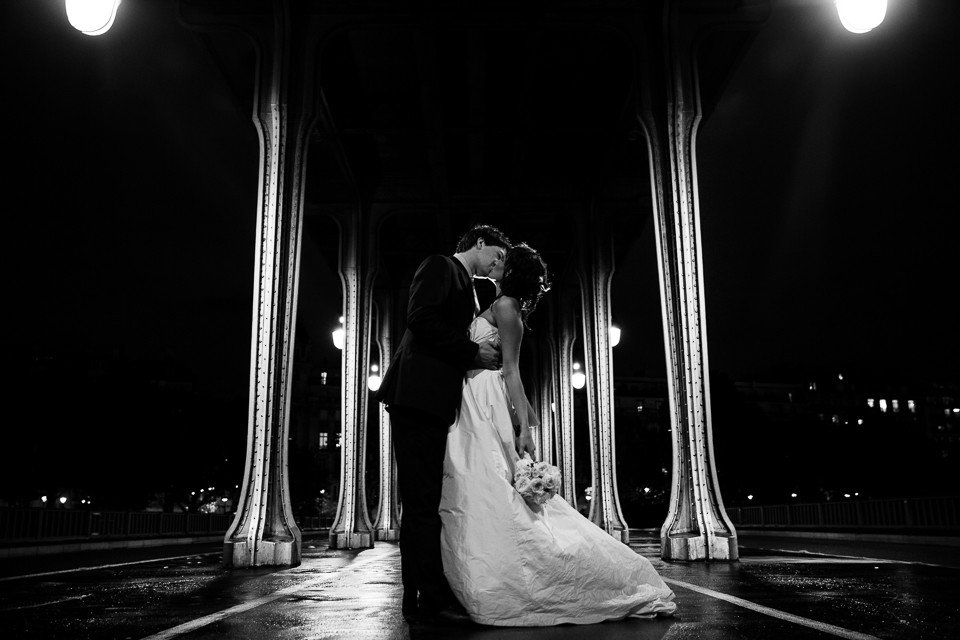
(524, 443)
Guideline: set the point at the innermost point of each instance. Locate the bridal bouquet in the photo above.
(537, 482)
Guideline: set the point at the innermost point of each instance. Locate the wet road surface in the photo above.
(779, 589)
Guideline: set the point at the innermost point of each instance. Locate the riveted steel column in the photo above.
(546, 400)
(387, 525)
(697, 526)
(596, 274)
(263, 531)
(565, 450)
(352, 528)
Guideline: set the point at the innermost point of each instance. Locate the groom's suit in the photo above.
(422, 390)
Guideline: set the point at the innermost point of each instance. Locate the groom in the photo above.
(422, 390)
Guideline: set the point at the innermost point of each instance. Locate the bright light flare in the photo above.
(578, 379)
(92, 17)
(861, 16)
(614, 335)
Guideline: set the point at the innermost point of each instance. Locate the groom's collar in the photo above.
(463, 264)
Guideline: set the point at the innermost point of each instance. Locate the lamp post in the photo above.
(91, 17)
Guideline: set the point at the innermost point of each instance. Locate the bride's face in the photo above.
(496, 273)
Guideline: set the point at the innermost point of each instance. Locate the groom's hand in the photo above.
(524, 443)
(488, 356)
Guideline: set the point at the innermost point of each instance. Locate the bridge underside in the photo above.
(386, 131)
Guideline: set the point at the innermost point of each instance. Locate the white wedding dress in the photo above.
(510, 565)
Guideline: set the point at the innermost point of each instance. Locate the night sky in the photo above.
(827, 178)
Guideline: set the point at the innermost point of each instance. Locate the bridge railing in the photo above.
(25, 525)
(18, 526)
(927, 514)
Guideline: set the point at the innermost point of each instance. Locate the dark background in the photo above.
(826, 178)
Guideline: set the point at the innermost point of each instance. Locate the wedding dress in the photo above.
(511, 565)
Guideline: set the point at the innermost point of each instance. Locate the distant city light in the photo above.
(793, 495)
(646, 489)
(193, 493)
(83, 502)
(856, 493)
(895, 405)
(323, 490)
(43, 498)
(861, 16)
(883, 405)
(839, 376)
(553, 407)
(63, 499)
(870, 402)
(750, 497)
(956, 410)
(860, 421)
(223, 499)
(911, 406)
(92, 17)
(846, 495)
(211, 488)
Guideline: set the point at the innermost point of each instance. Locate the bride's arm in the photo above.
(506, 312)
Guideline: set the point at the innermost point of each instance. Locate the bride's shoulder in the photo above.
(505, 306)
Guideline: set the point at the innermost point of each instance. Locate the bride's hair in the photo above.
(525, 278)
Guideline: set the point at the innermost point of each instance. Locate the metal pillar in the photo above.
(387, 525)
(565, 443)
(263, 531)
(596, 272)
(546, 400)
(352, 528)
(697, 526)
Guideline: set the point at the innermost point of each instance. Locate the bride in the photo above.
(510, 564)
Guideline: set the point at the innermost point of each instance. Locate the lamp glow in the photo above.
(614, 335)
(373, 382)
(860, 16)
(63, 499)
(338, 335)
(92, 17)
(578, 379)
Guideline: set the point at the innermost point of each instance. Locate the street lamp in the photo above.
(338, 335)
(92, 17)
(860, 16)
(614, 335)
(373, 382)
(578, 379)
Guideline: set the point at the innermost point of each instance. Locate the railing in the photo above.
(19, 526)
(25, 525)
(927, 514)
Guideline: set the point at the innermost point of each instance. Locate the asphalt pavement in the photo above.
(779, 589)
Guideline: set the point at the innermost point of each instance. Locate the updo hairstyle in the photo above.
(525, 278)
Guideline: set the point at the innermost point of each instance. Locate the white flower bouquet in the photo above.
(536, 482)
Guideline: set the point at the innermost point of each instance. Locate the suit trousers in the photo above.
(420, 442)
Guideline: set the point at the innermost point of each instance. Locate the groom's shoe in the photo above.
(446, 617)
(410, 609)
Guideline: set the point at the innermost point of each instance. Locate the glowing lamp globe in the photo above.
(578, 379)
(614, 336)
(373, 382)
(860, 16)
(92, 17)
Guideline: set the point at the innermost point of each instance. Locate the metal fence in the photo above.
(928, 514)
(24, 525)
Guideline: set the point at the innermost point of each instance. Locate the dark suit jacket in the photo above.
(427, 370)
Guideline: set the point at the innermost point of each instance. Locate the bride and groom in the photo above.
(469, 543)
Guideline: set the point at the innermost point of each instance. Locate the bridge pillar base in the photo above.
(686, 547)
(263, 553)
(362, 540)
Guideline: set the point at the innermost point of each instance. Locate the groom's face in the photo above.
(490, 260)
